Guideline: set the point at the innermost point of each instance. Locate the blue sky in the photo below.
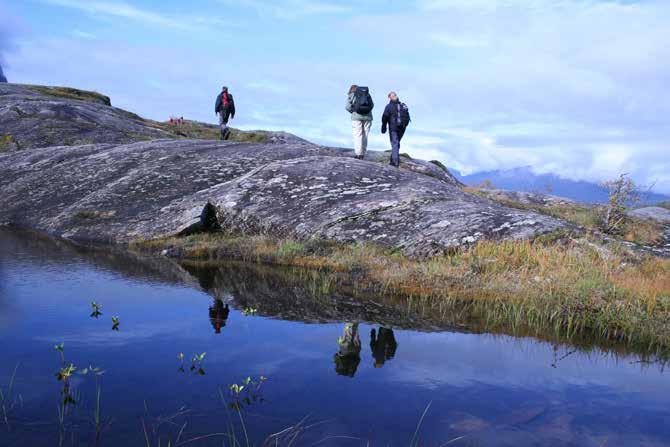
(578, 88)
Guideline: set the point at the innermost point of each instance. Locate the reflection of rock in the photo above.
(293, 294)
(218, 314)
(109, 258)
(382, 345)
(349, 355)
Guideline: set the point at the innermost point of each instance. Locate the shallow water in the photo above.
(478, 389)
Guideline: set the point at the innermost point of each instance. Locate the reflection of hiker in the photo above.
(396, 117)
(218, 314)
(360, 105)
(349, 355)
(382, 345)
(225, 107)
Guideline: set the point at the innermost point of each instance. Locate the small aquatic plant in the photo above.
(115, 323)
(180, 357)
(61, 350)
(246, 392)
(95, 310)
(196, 363)
(249, 311)
(66, 372)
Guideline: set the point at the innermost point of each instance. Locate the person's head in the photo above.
(224, 89)
(393, 96)
(353, 88)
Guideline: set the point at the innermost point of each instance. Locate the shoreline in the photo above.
(558, 285)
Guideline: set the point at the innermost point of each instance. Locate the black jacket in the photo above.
(390, 116)
(230, 110)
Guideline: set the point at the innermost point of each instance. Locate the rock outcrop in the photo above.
(656, 213)
(34, 116)
(123, 187)
(525, 198)
(2, 76)
(118, 193)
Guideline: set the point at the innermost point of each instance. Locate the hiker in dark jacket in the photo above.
(225, 108)
(396, 118)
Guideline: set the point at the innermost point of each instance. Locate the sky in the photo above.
(577, 88)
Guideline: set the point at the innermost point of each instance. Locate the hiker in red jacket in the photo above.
(225, 108)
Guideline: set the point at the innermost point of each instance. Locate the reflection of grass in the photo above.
(570, 287)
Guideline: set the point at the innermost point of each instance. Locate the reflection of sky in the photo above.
(502, 388)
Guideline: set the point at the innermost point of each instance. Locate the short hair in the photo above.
(392, 93)
(352, 88)
(224, 88)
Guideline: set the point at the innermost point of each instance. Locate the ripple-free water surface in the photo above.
(487, 390)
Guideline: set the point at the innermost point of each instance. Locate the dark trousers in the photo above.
(396, 135)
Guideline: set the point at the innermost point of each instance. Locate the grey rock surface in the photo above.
(31, 119)
(526, 198)
(656, 213)
(119, 193)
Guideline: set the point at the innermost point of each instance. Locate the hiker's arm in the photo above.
(232, 108)
(217, 104)
(348, 107)
(385, 119)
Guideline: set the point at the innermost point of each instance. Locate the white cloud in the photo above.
(290, 9)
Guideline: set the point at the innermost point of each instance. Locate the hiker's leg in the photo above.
(395, 147)
(366, 132)
(357, 132)
(223, 124)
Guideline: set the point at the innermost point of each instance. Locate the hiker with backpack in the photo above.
(396, 118)
(225, 108)
(360, 105)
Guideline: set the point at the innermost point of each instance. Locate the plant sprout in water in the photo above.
(196, 363)
(249, 311)
(246, 392)
(61, 350)
(115, 323)
(95, 309)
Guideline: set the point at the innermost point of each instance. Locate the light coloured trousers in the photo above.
(360, 131)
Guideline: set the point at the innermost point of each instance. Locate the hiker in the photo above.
(360, 105)
(225, 108)
(396, 117)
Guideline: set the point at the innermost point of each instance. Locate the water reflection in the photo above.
(218, 314)
(349, 354)
(382, 345)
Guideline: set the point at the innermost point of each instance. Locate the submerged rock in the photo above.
(120, 193)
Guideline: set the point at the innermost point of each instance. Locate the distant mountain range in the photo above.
(523, 179)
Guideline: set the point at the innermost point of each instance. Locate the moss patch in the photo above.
(71, 93)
